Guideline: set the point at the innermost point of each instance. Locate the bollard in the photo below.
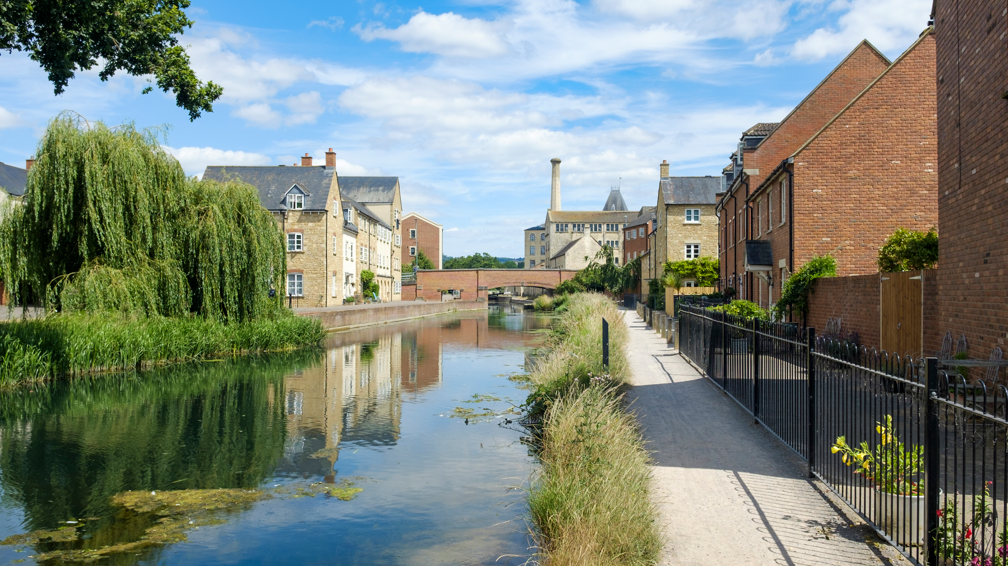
(605, 344)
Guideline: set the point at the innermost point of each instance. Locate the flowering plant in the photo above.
(891, 466)
(973, 542)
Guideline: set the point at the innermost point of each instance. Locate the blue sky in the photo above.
(466, 102)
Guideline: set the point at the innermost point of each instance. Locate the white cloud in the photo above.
(194, 160)
(447, 34)
(9, 119)
(305, 108)
(888, 24)
(333, 23)
(455, 229)
(260, 114)
(765, 59)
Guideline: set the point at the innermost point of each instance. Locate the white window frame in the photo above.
(542, 250)
(759, 217)
(295, 201)
(769, 209)
(692, 216)
(783, 202)
(640, 231)
(335, 249)
(295, 284)
(692, 251)
(295, 244)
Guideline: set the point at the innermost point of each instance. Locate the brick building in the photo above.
(422, 234)
(972, 86)
(381, 196)
(762, 148)
(636, 232)
(868, 171)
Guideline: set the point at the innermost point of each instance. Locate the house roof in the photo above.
(690, 190)
(570, 245)
(758, 255)
(369, 189)
(13, 179)
(648, 216)
(365, 211)
(275, 181)
(350, 227)
(420, 216)
(615, 202)
(539, 227)
(761, 129)
(587, 216)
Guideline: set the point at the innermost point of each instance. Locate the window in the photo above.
(783, 201)
(412, 233)
(542, 250)
(692, 251)
(769, 211)
(295, 285)
(596, 227)
(542, 237)
(398, 240)
(334, 286)
(578, 227)
(690, 284)
(759, 217)
(397, 287)
(295, 242)
(640, 231)
(531, 250)
(412, 250)
(531, 237)
(532, 263)
(295, 201)
(335, 249)
(693, 215)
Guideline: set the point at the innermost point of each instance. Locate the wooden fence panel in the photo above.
(901, 297)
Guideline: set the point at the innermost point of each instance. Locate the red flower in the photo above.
(941, 513)
(969, 532)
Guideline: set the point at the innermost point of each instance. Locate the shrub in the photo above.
(796, 290)
(705, 270)
(543, 303)
(909, 250)
(747, 310)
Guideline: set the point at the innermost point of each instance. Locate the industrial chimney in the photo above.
(555, 194)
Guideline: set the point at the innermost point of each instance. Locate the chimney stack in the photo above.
(555, 189)
(664, 168)
(29, 162)
(330, 159)
(306, 161)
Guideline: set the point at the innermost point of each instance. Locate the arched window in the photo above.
(531, 237)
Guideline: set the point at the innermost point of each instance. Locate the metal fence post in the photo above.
(724, 352)
(605, 343)
(810, 373)
(931, 462)
(755, 371)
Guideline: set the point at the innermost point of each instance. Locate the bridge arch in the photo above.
(474, 284)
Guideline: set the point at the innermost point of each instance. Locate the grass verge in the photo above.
(79, 344)
(590, 503)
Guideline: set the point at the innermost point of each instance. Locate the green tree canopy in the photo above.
(475, 261)
(421, 261)
(109, 222)
(136, 36)
(796, 290)
(369, 288)
(909, 250)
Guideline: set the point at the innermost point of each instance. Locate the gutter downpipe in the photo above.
(745, 236)
(790, 171)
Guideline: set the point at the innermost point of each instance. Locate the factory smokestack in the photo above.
(555, 194)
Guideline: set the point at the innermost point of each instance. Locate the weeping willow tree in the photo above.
(109, 222)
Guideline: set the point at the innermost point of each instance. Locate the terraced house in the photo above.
(381, 196)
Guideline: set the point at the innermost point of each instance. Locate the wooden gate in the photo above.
(902, 296)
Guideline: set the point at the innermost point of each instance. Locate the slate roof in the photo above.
(761, 129)
(350, 227)
(758, 253)
(13, 179)
(615, 202)
(587, 216)
(369, 189)
(690, 190)
(273, 183)
(364, 210)
(539, 227)
(648, 216)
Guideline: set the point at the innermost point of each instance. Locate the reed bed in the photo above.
(80, 344)
(590, 503)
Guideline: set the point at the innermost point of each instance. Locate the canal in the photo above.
(392, 445)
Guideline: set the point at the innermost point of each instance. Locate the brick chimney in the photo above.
(330, 159)
(664, 168)
(29, 162)
(306, 161)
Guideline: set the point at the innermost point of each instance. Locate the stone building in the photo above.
(686, 226)
(423, 234)
(972, 95)
(576, 254)
(535, 246)
(305, 202)
(374, 249)
(351, 275)
(381, 196)
(869, 171)
(762, 148)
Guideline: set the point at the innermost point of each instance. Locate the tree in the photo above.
(421, 261)
(475, 261)
(368, 286)
(136, 36)
(909, 250)
(109, 222)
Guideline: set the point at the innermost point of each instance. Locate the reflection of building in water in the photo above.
(421, 359)
(353, 397)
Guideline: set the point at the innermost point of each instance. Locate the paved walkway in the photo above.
(727, 490)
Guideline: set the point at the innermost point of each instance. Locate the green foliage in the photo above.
(571, 286)
(543, 303)
(141, 38)
(656, 294)
(977, 540)
(475, 261)
(796, 290)
(747, 310)
(71, 345)
(109, 222)
(368, 286)
(892, 466)
(909, 250)
(421, 261)
(510, 264)
(704, 269)
(602, 274)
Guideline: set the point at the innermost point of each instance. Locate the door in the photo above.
(901, 297)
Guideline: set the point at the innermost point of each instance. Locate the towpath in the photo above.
(728, 492)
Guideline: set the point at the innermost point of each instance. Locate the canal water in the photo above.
(356, 454)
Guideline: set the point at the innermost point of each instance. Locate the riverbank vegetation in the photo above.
(590, 503)
(134, 263)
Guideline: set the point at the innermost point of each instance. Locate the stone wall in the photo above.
(678, 232)
(367, 315)
(313, 262)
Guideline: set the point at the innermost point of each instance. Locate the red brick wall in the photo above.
(638, 245)
(846, 81)
(475, 283)
(872, 170)
(409, 292)
(428, 239)
(973, 171)
(855, 299)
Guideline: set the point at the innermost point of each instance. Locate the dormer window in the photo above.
(295, 201)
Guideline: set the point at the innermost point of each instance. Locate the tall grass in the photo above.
(590, 503)
(76, 344)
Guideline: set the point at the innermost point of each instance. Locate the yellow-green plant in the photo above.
(891, 466)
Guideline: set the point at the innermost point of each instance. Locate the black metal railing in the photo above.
(936, 445)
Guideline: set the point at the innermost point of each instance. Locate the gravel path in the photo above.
(729, 492)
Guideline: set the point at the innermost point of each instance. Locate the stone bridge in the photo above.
(475, 283)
